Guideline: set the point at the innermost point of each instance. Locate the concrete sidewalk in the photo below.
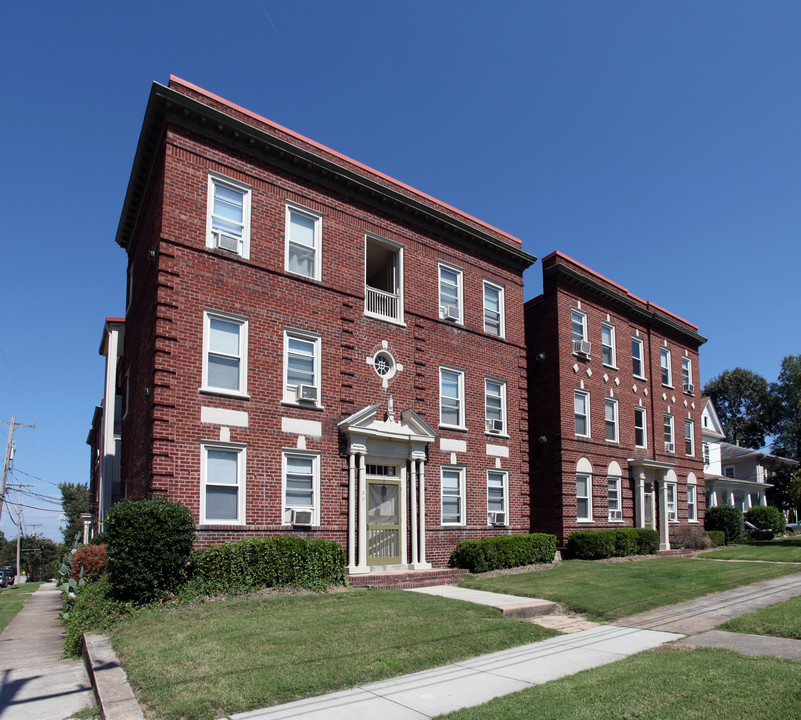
(36, 684)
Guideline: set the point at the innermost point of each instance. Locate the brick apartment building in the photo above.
(615, 417)
(312, 347)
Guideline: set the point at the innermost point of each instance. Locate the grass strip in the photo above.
(12, 599)
(786, 549)
(779, 620)
(216, 659)
(668, 683)
(608, 591)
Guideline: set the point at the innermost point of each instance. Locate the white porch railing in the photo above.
(381, 303)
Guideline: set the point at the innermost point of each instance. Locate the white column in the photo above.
(362, 567)
(421, 475)
(639, 500)
(664, 541)
(351, 511)
(413, 513)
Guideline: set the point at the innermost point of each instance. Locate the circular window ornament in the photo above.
(384, 364)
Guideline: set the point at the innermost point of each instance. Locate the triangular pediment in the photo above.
(410, 426)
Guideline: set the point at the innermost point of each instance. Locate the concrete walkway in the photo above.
(36, 684)
(510, 605)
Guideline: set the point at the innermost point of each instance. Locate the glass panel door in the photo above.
(383, 522)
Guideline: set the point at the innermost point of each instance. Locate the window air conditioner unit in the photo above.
(306, 393)
(450, 312)
(226, 242)
(302, 517)
(582, 347)
(689, 388)
(615, 514)
(497, 518)
(671, 516)
(670, 447)
(495, 426)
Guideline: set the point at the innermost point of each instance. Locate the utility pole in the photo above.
(11, 425)
(19, 528)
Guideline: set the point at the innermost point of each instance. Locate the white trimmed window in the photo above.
(450, 293)
(687, 375)
(692, 504)
(497, 494)
(383, 279)
(637, 363)
(583, 497)
(228, 215)
(225, 341)
(640, 437)
(670, 438)
(301, 488)
(494, 322)
(610, 420)
(670, 488)
(578, 325)
(615, 504)
(452, 496)
(451, 398)
(303, 241)
(689, 441)
(222, 479)
(608, 344)
(664, 363)
(581, 405)
(302, 368)
(495, 406)
(705, 451)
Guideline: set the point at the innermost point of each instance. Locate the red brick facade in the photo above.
(176, 278)
(557, 372)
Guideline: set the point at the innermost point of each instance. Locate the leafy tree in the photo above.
(787, 393)
(794, 490)
(75, 500)
(744, 405)
(38, 557)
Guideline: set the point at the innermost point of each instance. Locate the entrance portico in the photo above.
(654, 481)
(386, 466)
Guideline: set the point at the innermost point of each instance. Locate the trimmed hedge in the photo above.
(718, 537)
(766, 516)
(94, 610)
(269, 562)
(504, 551)
(614, 542)
(727, 518)
(150, 543)
(91, 559)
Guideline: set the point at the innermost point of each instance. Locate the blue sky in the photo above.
(658, 143)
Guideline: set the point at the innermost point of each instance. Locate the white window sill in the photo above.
(585, 522)
(692, 522)
(223, 393)
(641, 447)
(612, 442)
(669, 387)
(452, 525)
(457, 428)
(219, 524)
(639, 377)
(384, 318)
(495, 335)
(303, 406)
(583, 437)
(611, 367)
(301, 275)
(616, 522)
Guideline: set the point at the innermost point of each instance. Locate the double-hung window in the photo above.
(228, 216)
(452, 496)
(705, 451)
(493, 309)
(495, 406)
(302, 368)
(615, 505)
(497, 492)
(637, 358)
(303, 237)
(578, 328)
(583, 497)
(664, 362)
(581, 405)
(222, 476)
(687, 375)
(610, 420)
(692, 504)
(301, 481)
(689, 442)
(450, 293)
(608, 344)
(225, 339)
(451, 397)
(639, 427)
(670, 443)
(671, 501)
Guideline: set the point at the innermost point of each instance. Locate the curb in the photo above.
(109, 681)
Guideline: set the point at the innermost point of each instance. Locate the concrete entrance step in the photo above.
(510, 605)
(407, 579)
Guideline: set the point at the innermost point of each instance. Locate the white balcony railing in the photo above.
(383, 304)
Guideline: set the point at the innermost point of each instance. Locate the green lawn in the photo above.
(787, 549)
(607, 591)
(204, 662)
(12, 599)
(670, 683)
(780, 620)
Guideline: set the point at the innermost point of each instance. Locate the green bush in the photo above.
(268, 562)
(504, 551)
(626, 542)
(150, 543)
(591, 544)
(93, 609)
(718, 537)
(764, 517)
(727, 518)
(762, 535)
(647, 541)
(100, 538)
(692, 537)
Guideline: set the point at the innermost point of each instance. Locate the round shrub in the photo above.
(504, 551)
(591, 544)
(150, 543)
(767, 517)
(647, 541)
(91, 559)
(625, 542)
(727, 518)
(718, 537)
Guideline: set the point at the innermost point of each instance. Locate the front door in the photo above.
(383, 520)
(649, 511)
